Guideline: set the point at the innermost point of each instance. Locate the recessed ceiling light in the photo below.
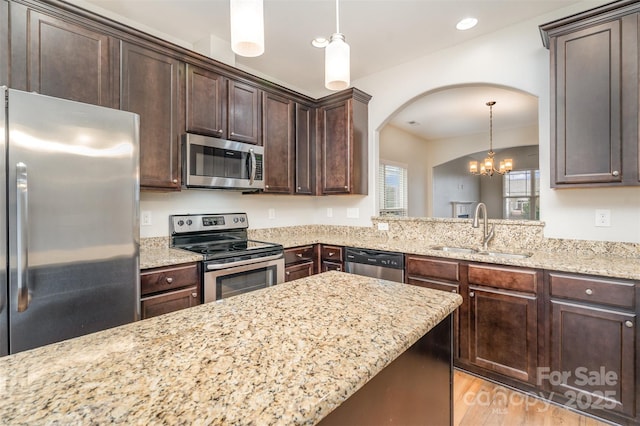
(413, 123)
(320, 42)
(466, 23)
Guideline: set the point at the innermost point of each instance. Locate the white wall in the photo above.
(513, 57)
(402, 147)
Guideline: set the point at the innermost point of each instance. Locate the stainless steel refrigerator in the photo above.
(69, 237)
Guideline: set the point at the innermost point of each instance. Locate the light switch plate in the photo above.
(145, 218)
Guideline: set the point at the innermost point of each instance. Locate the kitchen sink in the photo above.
(505, 255)
(454, 249)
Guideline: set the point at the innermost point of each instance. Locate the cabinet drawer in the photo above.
(331, 253)
(298, 271)
(157, 280)
(331, 266)
(594, 290)
(421, 282)
(298, 254)
(171, 301)
(507, 278)
(432, 268)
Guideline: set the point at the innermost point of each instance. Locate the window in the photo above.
(392, 187)
(521, 195)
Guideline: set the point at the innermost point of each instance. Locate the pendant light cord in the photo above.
(337, 18)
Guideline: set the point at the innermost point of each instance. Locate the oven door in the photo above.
(234, 280)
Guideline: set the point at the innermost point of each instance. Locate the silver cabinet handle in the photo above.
(287, 273)
(330, 254)
(22, 225)
(194, 295)
(252, 164)
(589, 291)
(299, 254)
(471, 294)
(169, 280)
(616, 173)
(175, 181)
(454, 291)
(338, 269)
(629, 324)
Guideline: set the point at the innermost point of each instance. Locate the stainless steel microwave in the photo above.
(221, 164)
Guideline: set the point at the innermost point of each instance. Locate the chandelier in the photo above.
(487, 167)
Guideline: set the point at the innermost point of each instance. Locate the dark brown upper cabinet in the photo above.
(244, 113)
(151, 87)
(206, 102)
(62, 58)
(343, 129)
(305, 155)
(594, 97)
(279, 143)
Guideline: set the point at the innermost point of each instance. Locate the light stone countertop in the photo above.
(287, 354)
(156, 257)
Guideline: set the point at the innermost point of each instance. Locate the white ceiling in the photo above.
(381, 33)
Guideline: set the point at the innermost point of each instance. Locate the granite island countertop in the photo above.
(287, 354)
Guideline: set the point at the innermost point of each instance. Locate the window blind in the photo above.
(392, 187)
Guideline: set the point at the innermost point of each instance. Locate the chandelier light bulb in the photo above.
(247, 27)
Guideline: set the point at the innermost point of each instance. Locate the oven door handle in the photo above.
(218, 266)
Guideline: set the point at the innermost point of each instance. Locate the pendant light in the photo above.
(247, 27)
(487, 167)
(337, 59)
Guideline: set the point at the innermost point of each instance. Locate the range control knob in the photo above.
(235, 220)
(180, 222)
(242, 219)
(189, 222)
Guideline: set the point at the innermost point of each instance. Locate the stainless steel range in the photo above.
(232, 264)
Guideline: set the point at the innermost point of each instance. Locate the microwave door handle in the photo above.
(252, 166)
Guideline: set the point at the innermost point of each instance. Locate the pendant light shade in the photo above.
(337, 63)
(247, 27)
(337, 74)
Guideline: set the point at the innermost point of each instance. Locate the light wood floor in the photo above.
(478, 402)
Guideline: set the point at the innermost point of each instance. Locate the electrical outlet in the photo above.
(383, 226)
(603, 218)
(329, 212)
(145, 218)
(272, 213)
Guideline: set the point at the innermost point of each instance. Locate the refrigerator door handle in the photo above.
(22, 261)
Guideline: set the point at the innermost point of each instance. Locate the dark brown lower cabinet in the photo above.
(169, 289)
(300, 262)
(331, 258)
(331, 266)
(297, 271)
(503, 332)
(592, 357)
(171, 301)
(593, 339)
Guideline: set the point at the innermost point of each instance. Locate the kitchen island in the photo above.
(288, 354)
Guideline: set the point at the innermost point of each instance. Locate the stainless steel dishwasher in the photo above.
(375, 263)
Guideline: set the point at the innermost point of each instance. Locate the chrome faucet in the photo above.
(486, 235)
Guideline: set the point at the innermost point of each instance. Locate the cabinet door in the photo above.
(150, 87)
(297, 271)
(594, 349)
(169, 302)
(503, 332)
(206, 102)
(244, 111)
(588, 99)
(336, 148)
(61, 58)
(305, 150)
(278, 141)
